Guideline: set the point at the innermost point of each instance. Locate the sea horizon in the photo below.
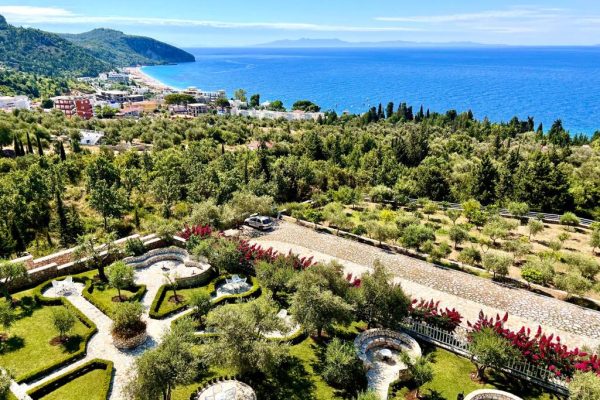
(545, 82)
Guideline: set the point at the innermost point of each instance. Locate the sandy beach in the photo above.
(138, 75)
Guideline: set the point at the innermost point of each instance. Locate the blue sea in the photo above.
(546, 83)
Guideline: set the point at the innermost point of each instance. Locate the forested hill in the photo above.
(86, 54)
(108, 44)
(39, 52)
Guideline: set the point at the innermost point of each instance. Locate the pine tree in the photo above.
(486, 181)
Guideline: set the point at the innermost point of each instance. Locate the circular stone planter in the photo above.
(230, 389)
(491, 394)
(130, 343)
(385, 339)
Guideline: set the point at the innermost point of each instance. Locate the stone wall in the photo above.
(62, 263)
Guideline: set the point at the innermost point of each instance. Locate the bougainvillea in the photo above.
(430, 312)
(546, 351)
(252, 253)
(200, 231)
(354, 281)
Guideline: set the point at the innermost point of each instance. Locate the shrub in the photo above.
(588, 267)
(540, 271)
(518, 209)
(342, 367)
(458, 235)
(437, 253)
(414, 236)
(4, 384)
(134, 247)
(470, 255)
(359, 230)
(431, 313)
(573, 283)
(489, 349)
(569, 219)
(584, 386)
(497, 264)
(534, 227)
(201, 303)
(381, 193)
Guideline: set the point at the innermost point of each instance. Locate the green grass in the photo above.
(28, 347)
(102, 294)
(167, 306)
(89, 386)
(452, 375)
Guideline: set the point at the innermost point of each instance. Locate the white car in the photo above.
(259, 222)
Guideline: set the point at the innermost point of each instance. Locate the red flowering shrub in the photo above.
(200, 231)
(430, 312)
(540, 349)
(354, 281)
(251, 253)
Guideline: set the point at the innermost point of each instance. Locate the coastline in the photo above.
(139, 75)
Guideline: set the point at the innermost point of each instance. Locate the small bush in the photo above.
(470, 255)
(134, 247)
(569, 219)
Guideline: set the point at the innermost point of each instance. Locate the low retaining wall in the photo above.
(62, 263)
(490, 394)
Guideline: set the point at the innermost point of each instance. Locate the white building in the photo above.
(9, 103)
(90, 138)
(287, 115)
(203, 96)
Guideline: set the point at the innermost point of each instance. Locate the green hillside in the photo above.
(126, 50)
(39, 52)
(86, 54)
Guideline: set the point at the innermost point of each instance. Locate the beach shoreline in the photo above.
(140, 76)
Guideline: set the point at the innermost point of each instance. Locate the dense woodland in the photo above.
(54, 191)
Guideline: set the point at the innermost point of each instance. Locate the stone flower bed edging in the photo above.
(491, 394)
(130, 343)
(385, 338)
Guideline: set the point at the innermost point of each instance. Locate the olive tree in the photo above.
(497, 264)
(534, 226)
(458, 235)
(7, 318)
(414, 236)
(121, 276)
(9, 272)
(63, 320)
(488, 349)
(342, 367)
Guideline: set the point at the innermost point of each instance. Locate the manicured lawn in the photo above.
(28, 347)
(167, 306)
(102, 294)
(88, 387)
(452, 375)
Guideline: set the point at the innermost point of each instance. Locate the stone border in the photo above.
(171, 253)
(130, 343)
(491, 394)
(384, 338)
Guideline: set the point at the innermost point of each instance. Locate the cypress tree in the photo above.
(16, 145)
(63, 155)
(39, 145)
(486, 178)
(380, 114)
(389, 110)
(29, 145)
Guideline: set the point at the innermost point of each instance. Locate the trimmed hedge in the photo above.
(254, 291)
(89, 289)
(52, 385)
(80, 353)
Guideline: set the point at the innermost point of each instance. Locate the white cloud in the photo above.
(52, 15)
(19, 13)
(512, 13)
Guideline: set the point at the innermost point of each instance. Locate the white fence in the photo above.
(457, 342)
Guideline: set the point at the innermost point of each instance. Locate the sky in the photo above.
(203, 23)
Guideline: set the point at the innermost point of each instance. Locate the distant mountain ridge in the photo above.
(108, 44)
(36, 51)
(332, 43)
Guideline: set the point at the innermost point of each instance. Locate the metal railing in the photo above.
(457, 342)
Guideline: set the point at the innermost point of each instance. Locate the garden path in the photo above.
(101, 344)
(467, 293)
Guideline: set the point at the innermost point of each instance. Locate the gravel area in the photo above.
(469, 294)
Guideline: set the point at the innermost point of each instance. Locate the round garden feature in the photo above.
(380, 351)
(227, 390)
(490, 394)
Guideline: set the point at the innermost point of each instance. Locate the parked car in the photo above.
(259, 222)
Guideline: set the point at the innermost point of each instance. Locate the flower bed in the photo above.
(52, 385)
(130, 342)
(384, 338)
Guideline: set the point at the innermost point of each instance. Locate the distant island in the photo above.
(332, 43)
(87, 54)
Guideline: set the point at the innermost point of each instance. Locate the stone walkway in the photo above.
(469, 294)
(101, 345)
